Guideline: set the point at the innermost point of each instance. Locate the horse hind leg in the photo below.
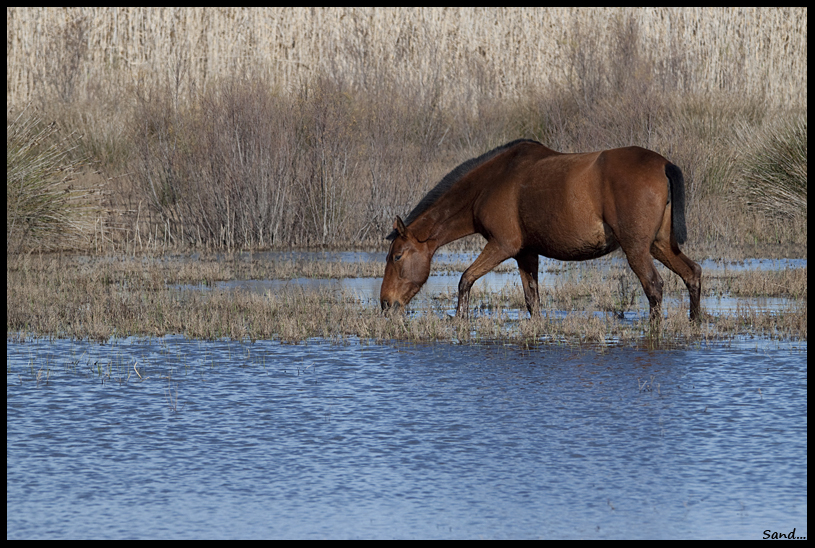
(669, 254)
(642, 265)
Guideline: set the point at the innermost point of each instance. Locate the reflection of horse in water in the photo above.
(528, 200)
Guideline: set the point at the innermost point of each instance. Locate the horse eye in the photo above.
(397, 257)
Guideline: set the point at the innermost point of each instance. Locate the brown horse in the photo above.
(528, 200)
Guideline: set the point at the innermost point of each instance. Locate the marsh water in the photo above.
(177, 438)
(366, 290)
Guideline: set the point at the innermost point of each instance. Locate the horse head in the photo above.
(406, 269)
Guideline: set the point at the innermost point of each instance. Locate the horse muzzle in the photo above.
(388, 305)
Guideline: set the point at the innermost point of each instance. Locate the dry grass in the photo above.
(99, 299)
(789, 283)
(230, 128)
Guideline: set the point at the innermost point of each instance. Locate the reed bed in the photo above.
(503, 51)
(49, 296)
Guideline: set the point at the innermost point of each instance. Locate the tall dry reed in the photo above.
(501, 52)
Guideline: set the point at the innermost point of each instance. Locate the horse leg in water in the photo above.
(667, 253)
(689, 271)
(491, 256)
(528, 267)
(643, 266)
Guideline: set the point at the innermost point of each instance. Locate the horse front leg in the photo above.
(463, 307)
(491, 256)
(528, 267)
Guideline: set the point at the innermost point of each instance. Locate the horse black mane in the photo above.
(452, 178)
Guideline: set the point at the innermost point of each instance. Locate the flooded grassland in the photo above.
(293, 298)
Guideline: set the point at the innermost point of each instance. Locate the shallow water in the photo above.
(444, 256)
(316, 440)
(443, 288)
(552, 272)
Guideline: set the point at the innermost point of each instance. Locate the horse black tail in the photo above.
(677, 184)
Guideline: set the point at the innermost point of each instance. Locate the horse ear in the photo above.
(399, 226)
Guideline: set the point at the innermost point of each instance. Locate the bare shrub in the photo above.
(64, 54)
(246, 166)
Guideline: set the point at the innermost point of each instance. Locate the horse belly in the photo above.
(572, 243)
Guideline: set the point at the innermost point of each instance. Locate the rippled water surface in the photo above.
(177, 438)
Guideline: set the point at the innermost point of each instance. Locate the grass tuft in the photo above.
(775, 169)
(43, 210)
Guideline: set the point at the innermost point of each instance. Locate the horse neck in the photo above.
(449, 219)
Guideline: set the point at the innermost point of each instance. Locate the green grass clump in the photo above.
(42, 208)
(775, 172)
